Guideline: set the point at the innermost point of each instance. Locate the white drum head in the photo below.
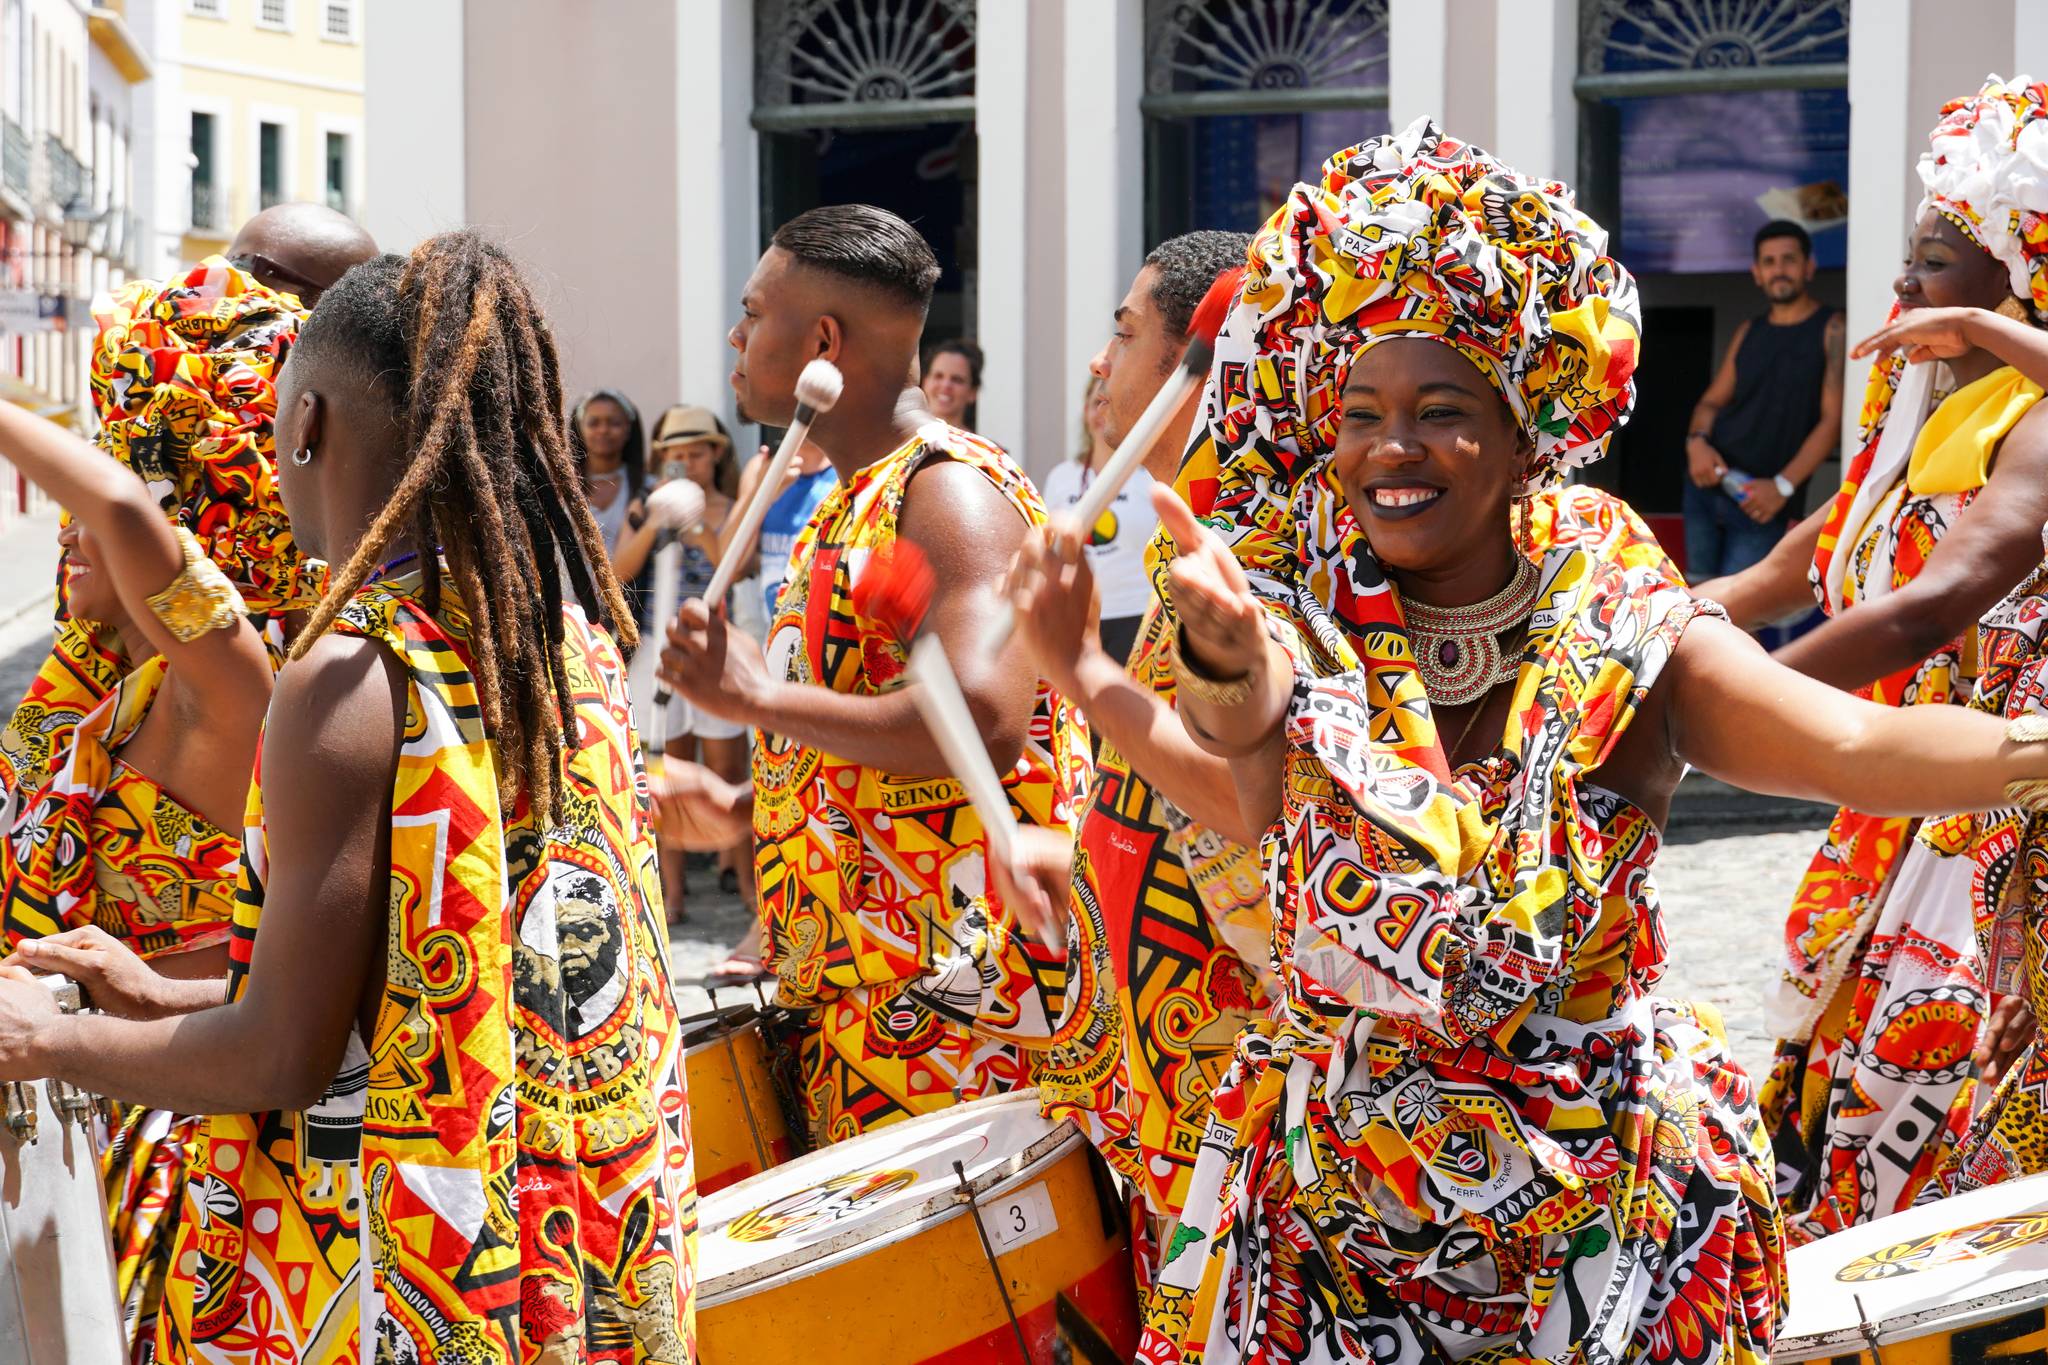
(854, 1197)
(1946, 1265)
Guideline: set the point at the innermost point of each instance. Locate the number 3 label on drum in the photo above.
(1019, 1217)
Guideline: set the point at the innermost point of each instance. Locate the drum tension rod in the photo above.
(1869, 1332)
(989, 1254)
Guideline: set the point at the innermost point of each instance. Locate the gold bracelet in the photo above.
(1215, 691)
(200, 598)
(2028, 793)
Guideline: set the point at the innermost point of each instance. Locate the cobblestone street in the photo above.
(1725, 887)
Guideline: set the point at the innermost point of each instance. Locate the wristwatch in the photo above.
(1786, 488)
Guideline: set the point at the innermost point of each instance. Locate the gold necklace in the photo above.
(1457, 649)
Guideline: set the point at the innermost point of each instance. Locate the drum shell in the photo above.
(731, 1080)
(926, 1294)
(57, 1299)
(2022, 1337)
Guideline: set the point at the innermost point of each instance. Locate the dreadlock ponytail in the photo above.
(488, 479)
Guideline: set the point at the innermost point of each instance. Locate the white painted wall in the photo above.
(1536, 46)
(717, 190)
(1105, 181)
(415, 121)
(1026, 394)
(572, 163)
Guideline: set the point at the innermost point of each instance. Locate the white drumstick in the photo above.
(677, 506)
(1191, 374)
(817, 389)
(945, 713)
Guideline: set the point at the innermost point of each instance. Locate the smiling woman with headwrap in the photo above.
(1458, 701)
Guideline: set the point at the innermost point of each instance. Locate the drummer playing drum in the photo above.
(871, 863)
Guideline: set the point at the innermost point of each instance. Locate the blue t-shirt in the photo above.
(786, 519)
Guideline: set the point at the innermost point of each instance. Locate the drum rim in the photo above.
(739, 1019)
(935, 1210)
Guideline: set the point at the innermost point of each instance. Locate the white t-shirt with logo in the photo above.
(1116, 549)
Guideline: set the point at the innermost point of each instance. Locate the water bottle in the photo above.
(1736, 484)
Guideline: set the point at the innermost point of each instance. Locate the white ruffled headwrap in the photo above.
(1987, 171)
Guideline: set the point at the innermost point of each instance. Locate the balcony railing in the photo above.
(206, 205)
(14, 148)
(68, 177)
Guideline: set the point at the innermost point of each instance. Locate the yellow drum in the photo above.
(981, 1233)
(738, 1127)
(1956, 1282)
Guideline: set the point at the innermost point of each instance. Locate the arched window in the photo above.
(1245, 97)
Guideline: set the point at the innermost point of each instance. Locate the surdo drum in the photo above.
(57, 1302)
(981, 1233)
(739, 1125)
(1958, 1280)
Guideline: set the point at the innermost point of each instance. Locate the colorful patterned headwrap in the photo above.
(1419, 234)
(184, 380)
(1987, 172)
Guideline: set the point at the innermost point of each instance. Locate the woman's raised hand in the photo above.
(1924, 334)
(1223, 625)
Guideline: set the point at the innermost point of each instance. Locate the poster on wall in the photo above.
(1701, 173)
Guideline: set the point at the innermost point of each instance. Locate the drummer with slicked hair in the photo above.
(911, 983)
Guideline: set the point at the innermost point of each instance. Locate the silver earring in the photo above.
(303, 456)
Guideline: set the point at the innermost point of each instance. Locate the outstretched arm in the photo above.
(968, 531)
(1774, 587)
(141, 557)
(1052, 591)
(1995, 544)
(1704, 464)
(1737, 714)
(1227, 654)
(329, 759)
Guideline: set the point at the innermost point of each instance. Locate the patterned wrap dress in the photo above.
(1472, 1131)
(183, 381)
(2004, 853)
(910, 984)
(1882, 997)
(502, 1171)
(1169, 931)
(98, 843)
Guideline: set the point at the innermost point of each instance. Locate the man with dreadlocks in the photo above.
(449, 968)
(911, 982)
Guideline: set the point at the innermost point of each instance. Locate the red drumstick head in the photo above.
(1214, 307)
(896, 588)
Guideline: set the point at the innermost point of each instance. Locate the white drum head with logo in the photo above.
(1943, 1266)
(855, 1197)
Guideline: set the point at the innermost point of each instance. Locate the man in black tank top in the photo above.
(1772, 414)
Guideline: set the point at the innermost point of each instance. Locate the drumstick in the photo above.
(679, 505)
(817, 389)
(1130, 453)
(896, 588)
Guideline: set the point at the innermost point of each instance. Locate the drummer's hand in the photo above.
(1052, 592)
(1033, 885)
(2006, 1034)
(115, 980)
(695, 808)
(27, 1009)
(712, 666)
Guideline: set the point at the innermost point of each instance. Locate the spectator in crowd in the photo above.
(691, 443)
(952, 381)
(610, 449)
(1772, 414)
